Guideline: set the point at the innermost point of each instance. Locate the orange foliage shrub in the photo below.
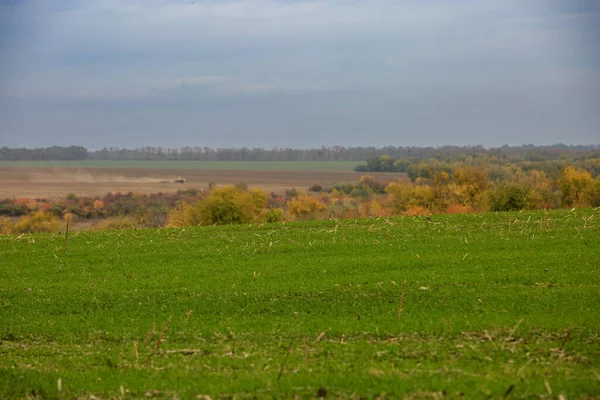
(32, 205)
(459, 209)
(21, 201)
(416, 211)
(374, 209)
(98, 205)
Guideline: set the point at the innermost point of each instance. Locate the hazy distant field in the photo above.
(43, 180)
(37, 179)
(340, 166)
(493, 304)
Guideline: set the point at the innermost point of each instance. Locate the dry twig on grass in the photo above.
(66, 234)
(150, 334)
(319, 337)
(160, 338)
(162, 333)
(399, 315)
(510, 389)
(285, 360)
(137, 354)
(562, 346)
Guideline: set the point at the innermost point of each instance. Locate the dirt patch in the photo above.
(37, 182)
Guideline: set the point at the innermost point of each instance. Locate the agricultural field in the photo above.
(55, 179)
(497, 305)
(339, 166)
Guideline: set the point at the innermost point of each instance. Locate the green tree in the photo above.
(228, 205)
(508, 197)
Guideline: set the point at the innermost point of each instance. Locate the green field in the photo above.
(494, 305)
(208, 165)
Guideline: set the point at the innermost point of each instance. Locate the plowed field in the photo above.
(53, 182)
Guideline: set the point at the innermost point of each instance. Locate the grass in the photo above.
(334, 166)
(494, 305)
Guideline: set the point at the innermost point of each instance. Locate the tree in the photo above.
(508, 197)
(305, 207)
(574, 186)
(228, 205)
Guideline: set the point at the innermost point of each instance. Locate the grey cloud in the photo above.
(301, 73)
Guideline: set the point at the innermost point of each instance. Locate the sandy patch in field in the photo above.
(38, 182)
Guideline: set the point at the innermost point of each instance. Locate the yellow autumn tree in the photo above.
(39, 221)
(182, 215)
(574, 186)
(305, 207)
(226, 205)
(403, 197)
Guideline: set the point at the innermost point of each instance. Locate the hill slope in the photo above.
(493, 303)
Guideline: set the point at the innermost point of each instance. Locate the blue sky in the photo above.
(277, 73)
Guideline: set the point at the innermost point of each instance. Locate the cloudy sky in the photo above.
(299, 73)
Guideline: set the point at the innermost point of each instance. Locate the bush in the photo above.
(406, 196)
(305, 207)
(594, 195)
(315, 188)
(362, 192)
(370, 182)
(39, 221)
(259, 199)
(463, 194)
(346, 208)
(508, 197)
(13, 210)
(416, 211)
(290, 194)
(273, 215)
(6, 226)
(575, 186)
(228, 205)
(374, 209)
(459, 209)
(181, 215)
(188, 192)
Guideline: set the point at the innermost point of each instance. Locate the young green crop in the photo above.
(493, 304)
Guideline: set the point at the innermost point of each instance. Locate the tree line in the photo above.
(333, 153)
(497, 167)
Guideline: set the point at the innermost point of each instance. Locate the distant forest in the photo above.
(334, 153)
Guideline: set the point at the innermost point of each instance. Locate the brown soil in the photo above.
(57, 182)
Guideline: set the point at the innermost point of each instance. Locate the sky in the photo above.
(299, 73)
